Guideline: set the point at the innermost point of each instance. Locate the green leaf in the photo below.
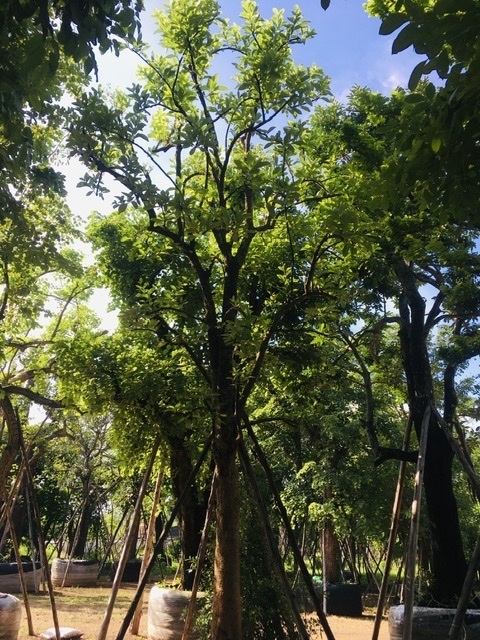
(416, 74)
(436, 144)
(404, 39)
(391, 23)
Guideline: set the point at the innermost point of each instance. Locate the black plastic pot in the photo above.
(131, 573)
(80, 573)
(344, 600)
(10, 579)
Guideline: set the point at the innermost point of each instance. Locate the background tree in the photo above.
(438, 150)
(417, 254)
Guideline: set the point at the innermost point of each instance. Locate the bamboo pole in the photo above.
(457, 623)
(141, 584)
(21, 575)
(75, 541)
(33, 552)
(291, 536)
(112, 540)
(414, 528)
(278, 564)
(148, 550)
(102, 634)
(202, 550)
(396, 513)
(41, 541)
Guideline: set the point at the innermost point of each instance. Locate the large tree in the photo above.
(415, 253)
(40, 43)
(234, 249)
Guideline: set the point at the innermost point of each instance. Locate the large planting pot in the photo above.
(432, 624)
(131, 573)
(10, 616)
(80, 573)
(166, 613)
(342, 599)
(10, 578)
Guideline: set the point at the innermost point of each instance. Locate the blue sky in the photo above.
(347, 47)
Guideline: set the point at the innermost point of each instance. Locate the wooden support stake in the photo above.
(455, 632)
(202, 550)
(414, 528)
(102, 634)
(141, 585)
(21, 575)
(307, 578)
(396, 513)
(41, 541)
(278, 564)
(148, 550)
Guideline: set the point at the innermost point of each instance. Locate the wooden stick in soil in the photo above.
(41, 541)
(102, 634)
(21, 574)
(75, 541)
(396, 513)
(307, 578)
(278, 564)
(414, 528)
(33, 552)
(148, 550)
(455, 632)
(176, 508)
(112, 540)
(202, 550)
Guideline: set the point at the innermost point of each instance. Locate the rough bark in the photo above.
(12, 448)
(226, 619)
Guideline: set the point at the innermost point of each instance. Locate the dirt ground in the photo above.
(83, 609)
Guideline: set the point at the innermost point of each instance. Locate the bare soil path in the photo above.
(83, 609)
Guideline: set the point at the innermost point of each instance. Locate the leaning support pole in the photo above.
(278, 564)
(202, 550)
(455, 632)
(291, 536)
(41, 541)
(414, 528)
(148, 550)
(396, 512)
(141, 585)
(21, 575)
(102, 634)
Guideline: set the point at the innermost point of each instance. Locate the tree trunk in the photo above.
(12, 448)
(80, 537)
(227, 620)
(227, 602)
(448, 560)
